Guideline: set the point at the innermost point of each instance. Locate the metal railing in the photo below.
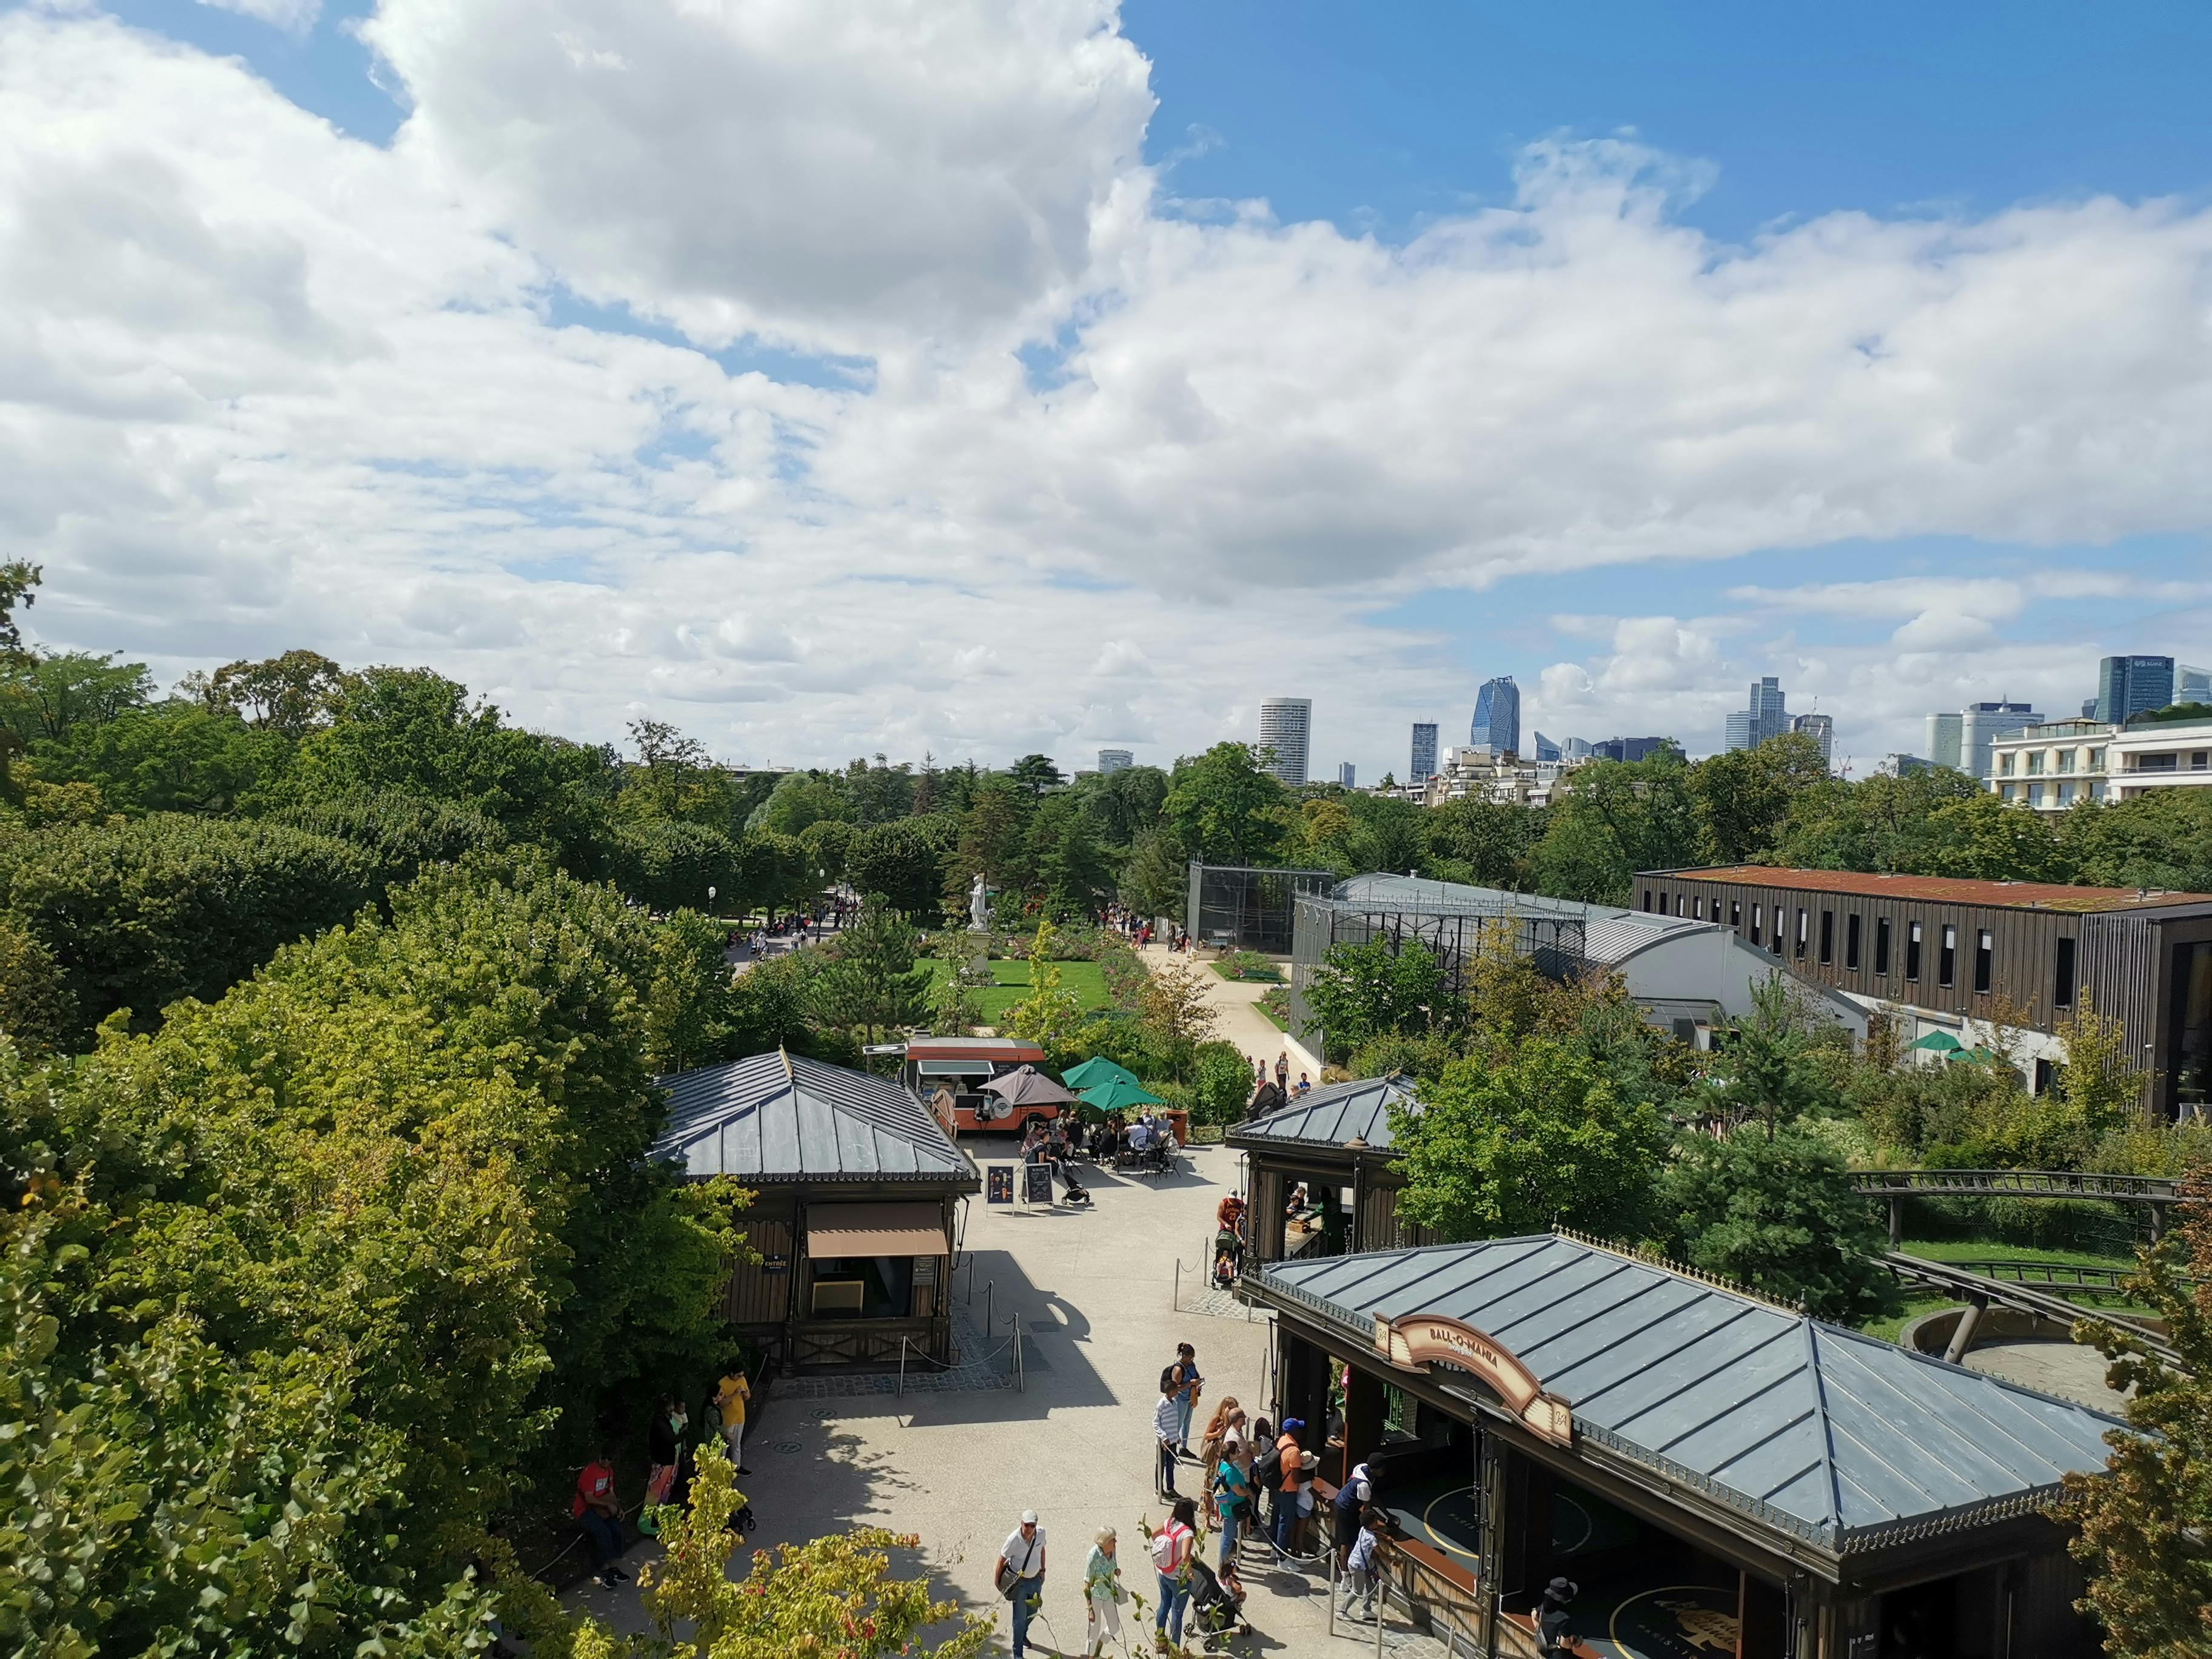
(1959, 1280)
(2013, 1184)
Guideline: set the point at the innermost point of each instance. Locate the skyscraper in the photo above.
(1497, 725)
(1979, 722)
(1765, 718)
(1943, 739)
(1821, 728)
(1347, 774)
(1285, 729)
(2132, 685)
(1423, 765)
(1115, 760)
(2191, 684)
(1546, 749)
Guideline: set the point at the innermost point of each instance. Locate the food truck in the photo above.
(961, 1067)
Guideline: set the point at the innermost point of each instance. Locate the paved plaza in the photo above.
(956, 1462)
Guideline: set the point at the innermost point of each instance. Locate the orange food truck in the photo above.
(961, 1067)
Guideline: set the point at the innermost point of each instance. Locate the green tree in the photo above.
(1777, 1213)
(1036, 773)
(774, 872)
(903, 860)
(18, 577)
(1985, 839)
(670, 865)
(2142, 1525)
(1221, 1080)
(1772, 1072)
(801, 798)
(1620, 818)
(1879, 824)
(1226, 809)
(1155, 878)
(990, 838)
(1122, 805)
(1532, 1136)
(47, 695)
(1742, 797)
(833, 1595)
(1486, 843)
(882, 793)
(165, 907)
(291, 695)
(869, 981)
(174, 757)
(1048, 1015)
(2162, 838)
(828, 844)
(1366, 991)
(1072, 874)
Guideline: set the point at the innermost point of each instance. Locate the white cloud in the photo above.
(293, 16)
(844, 178)
(262, 386)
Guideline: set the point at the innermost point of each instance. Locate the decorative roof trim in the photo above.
(1667, 1264)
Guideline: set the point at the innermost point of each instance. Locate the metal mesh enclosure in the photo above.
(1238, 908)
(1458, 925)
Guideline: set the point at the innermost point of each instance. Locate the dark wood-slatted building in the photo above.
(1954, 956)
(856, 1221)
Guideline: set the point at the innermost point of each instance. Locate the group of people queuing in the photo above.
(1228, 1239)
(671, 1459)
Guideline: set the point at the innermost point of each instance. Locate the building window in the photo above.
(1681, 905)
(2004, 763)
(2062, 986)
(1697, 909)
(1852, 941)
(1647, 899)
(1984, 955)
(1828, 936)
(2035, 794)
(2096, 760)
(2066, 793)
(2199, 759)
(1800, 932)
(1947, 960)
(2046, 1075)
(2097, 789)
(1758, 919)
(1912, 951)
(1881, 946)
(1735, 913)
(2065, 760)
(2155, 763)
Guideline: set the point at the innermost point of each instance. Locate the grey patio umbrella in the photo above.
(1025, 1086)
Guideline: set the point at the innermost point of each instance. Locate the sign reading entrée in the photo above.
(1421, 1340)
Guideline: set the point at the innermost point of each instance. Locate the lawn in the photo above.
(1085, 981)
(1984, 1250)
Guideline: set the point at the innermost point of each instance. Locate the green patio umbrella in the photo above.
(1940, 1042)
(1095, 1071)
(1116, 1094)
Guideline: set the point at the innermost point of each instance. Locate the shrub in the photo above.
(1221, 1082)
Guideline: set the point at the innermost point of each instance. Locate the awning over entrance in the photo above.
(954, 1068)
(841, 1229)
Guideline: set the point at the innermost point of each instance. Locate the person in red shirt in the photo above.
(599, 1514)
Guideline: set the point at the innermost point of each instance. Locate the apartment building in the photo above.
(2051, 767)
(2154, 755)
(1952, 956)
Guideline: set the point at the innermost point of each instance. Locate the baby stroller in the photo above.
(1215, 1613)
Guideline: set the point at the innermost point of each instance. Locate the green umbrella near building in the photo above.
(1940, 1042)
(1095, 1071)
(1119, 1094)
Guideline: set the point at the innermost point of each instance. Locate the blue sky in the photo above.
(2040, 508)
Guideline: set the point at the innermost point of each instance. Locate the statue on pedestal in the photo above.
(979, 909)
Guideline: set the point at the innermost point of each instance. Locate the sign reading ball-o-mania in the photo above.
(1423, 1339)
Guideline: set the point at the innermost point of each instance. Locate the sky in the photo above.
(978, 377)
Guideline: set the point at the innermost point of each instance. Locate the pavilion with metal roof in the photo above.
(1335, 1143)
(1855, 1486)
(851, 1230)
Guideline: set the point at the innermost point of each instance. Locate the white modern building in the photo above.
(2051, 767)
(1942, 745)
(1286, 732)
(1981, 724)
(1115, 760)
(2145, 759)
(1821, 728)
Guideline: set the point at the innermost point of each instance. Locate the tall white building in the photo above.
(1942, 745)
(1286, 730)
(1115, 760)
(1425, 752)
(1981, 724)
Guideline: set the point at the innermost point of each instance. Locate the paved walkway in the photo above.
(1239, 1021)
(958, 1465)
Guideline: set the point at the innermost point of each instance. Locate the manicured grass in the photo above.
(1279, 1021)
(1085, 981)
(1888, 1330)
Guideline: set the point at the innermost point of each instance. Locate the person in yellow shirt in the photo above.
(730, 1400)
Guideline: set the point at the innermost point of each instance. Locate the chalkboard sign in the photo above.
(776, 1264)
(1039, 1177)
(998, 1184)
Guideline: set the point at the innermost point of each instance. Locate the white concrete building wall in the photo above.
(2145, 759)
(2051, 768)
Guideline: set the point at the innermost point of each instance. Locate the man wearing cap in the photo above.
(1555, 1630)
(1021, 1558)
